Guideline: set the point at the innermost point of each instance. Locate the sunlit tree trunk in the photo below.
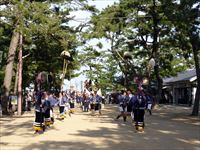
(9, 70)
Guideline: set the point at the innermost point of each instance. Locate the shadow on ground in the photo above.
(164, 130)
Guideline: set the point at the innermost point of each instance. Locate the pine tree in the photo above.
(44, 26)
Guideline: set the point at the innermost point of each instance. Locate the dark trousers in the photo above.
(92, 106)
(97, 107)
(129, 108)
(71, 105)
(47, 113)
(139, 117)
(123, 113)
(39, 117)
(86, 107)
(61, 109)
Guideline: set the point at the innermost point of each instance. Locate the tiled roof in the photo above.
(188, 75)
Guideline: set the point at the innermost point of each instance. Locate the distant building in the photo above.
(180, 89)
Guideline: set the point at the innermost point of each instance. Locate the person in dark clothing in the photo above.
(129, 105)
(123, 101)
(47, 107)
(53, 101)
(97, 100)
(86, 102)
(149, 100)
(39, 113)
(61, 104)
(138, 107)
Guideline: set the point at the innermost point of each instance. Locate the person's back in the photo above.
(53, 101)
(139, 105)
(123, 100)
(149, 103)
(38, 102)
(98, 99)
(61, 101)
(140, 102)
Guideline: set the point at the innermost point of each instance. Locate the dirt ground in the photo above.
(169, 128)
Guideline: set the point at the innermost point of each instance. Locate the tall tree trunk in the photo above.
(159, 84)
(156, 52)
(196, 48)
(9, 70)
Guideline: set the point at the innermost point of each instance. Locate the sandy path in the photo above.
(164, 131)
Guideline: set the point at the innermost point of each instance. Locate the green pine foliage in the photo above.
(46, 33)
(128, 26)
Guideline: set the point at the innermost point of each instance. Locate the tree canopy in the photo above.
(166, 30)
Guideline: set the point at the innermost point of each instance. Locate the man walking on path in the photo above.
(123, 101)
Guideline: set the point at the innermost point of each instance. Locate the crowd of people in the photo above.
(67, 101)
(130, 104)
(134, 105)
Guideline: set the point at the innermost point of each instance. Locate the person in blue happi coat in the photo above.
(61, 104)
(149, 99)
(138, 107)
(123, 101)
(38, 125)
(97, 101)
(86, 102)
(47, 107)
(53, 101)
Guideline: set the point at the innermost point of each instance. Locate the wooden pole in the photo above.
(19, 106)
(64, 72)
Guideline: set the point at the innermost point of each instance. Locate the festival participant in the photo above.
(149, 99)
(92, 104)
(47, 107)
(53, 100)
(67, 104)
(79, 99)
(98, 100)
(38, 125)
(72, 101)
(123, 100)
(129, 105)
(61, 104)
(86, 102)
(139, 105)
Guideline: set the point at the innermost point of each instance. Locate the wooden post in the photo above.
(19, 104)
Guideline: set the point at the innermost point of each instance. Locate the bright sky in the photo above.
(82, 17)
(101, 4)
